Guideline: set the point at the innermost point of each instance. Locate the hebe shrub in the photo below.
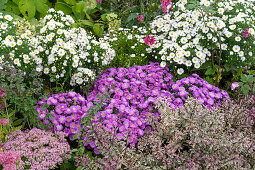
(190, 137)
(38, 149)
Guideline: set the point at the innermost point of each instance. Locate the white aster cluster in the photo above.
(186, 38)
(61, 51)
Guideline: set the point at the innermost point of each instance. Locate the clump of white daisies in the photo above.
(129, 46)
(186, 38)
(61, 51)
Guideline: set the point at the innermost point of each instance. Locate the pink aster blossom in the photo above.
(234, 85)
(140, 18)
(149, 39)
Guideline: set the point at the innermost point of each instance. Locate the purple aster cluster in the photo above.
(194, 86)
(133, 92)
(67, 110)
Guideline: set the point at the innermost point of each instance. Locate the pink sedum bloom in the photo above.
(234, 85)
(149, 39)
(4, 121)
(140, 18)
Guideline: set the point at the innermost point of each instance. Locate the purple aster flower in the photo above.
(126, 123)
(62, 119)
(67, 131)
(74, 130)
(130, 139)
(125, 86)
(58, 109)
(133, 118)
(96, 151)
(178, 101)
(210, 101)
(55, 121)
(218, 95)
(52, 101)
(68, 111)
(122, 128)
(122, 108)
(61, 99)
(140, 132)
(71, 94)
(119, 136)
(41, 116)
(69, 119)
(211, 94)
(59, 127)
(175, 86)
(200, 100)
(148, 129)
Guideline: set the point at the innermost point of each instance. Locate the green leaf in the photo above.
(62, 7)
(90, 154)
(210, 71)
(76, 136)
(247, 78)
(70, 2)
(251, 71)
(18, 128)
(82, 148)
(3, 3)
(131, 17)
(17, 122)
(253, 88)
(103, 17)
(245, 89)
(74, 150)
(98, 29)
(28, 8)
(12, 7)
(78, 7)
(12, 113)
(86, 22)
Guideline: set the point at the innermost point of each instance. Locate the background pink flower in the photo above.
(234, 85)
(149, 39)
(140, 18)
(99, 1)
(246, 33)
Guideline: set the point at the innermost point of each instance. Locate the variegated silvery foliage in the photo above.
(115, 154)
(186, 38)
(193, 137)
(60, 51)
